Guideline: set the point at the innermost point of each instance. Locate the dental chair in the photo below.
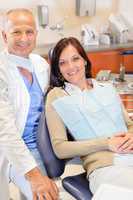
(77, 185)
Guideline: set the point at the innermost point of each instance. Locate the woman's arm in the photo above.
(126, 139)
(62, 147)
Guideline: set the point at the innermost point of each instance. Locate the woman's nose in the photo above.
(70, 64)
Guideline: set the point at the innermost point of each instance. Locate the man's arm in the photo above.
(10, 140)
(17, 152)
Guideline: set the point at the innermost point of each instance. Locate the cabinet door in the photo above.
(128, 63)
(105, 60)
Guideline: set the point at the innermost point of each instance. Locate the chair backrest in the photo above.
(77, 185)
(54, 166)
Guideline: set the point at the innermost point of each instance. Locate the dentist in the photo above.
(23, 82)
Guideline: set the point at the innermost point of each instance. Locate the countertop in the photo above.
(43, 49)
(125, 87)
(103, 47)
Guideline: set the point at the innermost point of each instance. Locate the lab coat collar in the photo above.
(40, 67)
(21, 61)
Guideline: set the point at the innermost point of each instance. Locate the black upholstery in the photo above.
(54, 166)
(127, 52)
(76, 185)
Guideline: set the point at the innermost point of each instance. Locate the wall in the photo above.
(59, 9)
(72, 24)
(126, 7)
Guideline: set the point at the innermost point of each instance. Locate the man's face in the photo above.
(20, 34)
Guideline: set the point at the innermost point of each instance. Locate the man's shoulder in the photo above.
(39, 61)
(2, 56)
(3, 70)
(37, 57)
(3, 59)
(34, 55)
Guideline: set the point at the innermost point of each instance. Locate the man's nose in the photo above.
(24, 36)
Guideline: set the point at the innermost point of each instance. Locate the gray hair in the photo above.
(4, 18)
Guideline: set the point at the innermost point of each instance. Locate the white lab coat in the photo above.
(4, 190)
(14, 106)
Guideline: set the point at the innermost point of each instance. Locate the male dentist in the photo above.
(23, 82)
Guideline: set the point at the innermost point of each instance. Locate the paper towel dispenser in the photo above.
(85, 7)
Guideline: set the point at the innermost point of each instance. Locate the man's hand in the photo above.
(42, 186)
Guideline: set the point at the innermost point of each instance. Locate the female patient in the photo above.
(94, 115)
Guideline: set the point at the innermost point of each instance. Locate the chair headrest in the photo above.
(50, 54)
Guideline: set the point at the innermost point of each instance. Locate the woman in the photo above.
(94, 115)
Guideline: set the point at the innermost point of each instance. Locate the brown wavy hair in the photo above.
(56, 78)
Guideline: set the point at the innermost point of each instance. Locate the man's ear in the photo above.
(4, 36)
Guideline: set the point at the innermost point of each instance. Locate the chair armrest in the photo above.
(77, 186)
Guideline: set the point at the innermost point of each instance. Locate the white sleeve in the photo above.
(11, 143)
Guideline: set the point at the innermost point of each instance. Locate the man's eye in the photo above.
(16, 33)
(30, 32)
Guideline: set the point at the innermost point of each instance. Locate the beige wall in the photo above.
(72, 24)
(59, 9)
(126, 8)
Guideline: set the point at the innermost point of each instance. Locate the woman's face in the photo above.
(72, 66)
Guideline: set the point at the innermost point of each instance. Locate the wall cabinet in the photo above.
(105, 60)
(128, 62)
(110, 60)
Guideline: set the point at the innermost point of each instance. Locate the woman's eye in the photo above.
(76, 58)
(61, 63)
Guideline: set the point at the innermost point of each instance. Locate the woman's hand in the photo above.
(127, 147)
(116, 142)
(121, 143)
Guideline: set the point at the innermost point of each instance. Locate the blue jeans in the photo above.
(21, 182)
